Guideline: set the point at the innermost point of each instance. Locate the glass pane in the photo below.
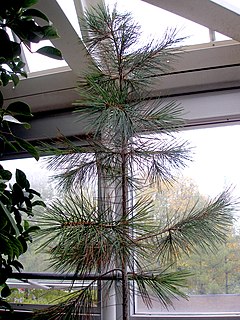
(215, 284)
(38, 62)
(40, 180)
(221, 37)
(233, 5)
(68, 8)
(155, 21)
(45, 292)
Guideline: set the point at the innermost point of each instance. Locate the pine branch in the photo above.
(162, 285)
(77, 306)
(120, 70)
(82, 238)
(199, 227)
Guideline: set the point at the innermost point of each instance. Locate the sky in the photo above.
(216, 158)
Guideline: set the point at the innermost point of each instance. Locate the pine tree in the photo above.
(104, 226)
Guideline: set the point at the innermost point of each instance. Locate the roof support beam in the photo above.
(81, 6)
(204, 12)
(71, 46)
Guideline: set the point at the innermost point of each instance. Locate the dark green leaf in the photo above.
(16, 264)
(10, 144)
(5, 291)
(28, 205)
(28, 30)
(5, 174)
(20, 228)
(23, 74)
(5, 246)
(3, 186)
(16, 49)
(33, 192)
(28, 147)
(17, 247)
(26, 225)
(21, 179)
(38, 203)
(18, 216)
(7, 198)
(24, 243)
(9, 217)
(17, 194)
(15, 79)
(29, 3)
(3, 222)
(32, 229)
(2, 60)
(50, 52)
(49, 33)
(20, 65)
(19, 108)
(26, 125)
(6, 48)
(35, 13)
(5, 78)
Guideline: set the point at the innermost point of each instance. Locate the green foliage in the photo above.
(18, 26)
(217, 272)
(18, 17)
(38, 296)
(164, 285)
(81, 302)
(100, 226)
(15, 232)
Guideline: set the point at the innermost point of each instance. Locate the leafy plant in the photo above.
(105, 225)
(18, 26)
(18, 19)
(15, 231)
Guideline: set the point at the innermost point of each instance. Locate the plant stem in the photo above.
(125, 291)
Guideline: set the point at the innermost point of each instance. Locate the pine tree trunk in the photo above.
(125, 289)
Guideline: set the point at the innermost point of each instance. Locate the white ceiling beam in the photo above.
(204, 12)
(71, 46)
(199, 69)
(81, 7)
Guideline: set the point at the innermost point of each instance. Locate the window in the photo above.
(48, 287)
(214, 287)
